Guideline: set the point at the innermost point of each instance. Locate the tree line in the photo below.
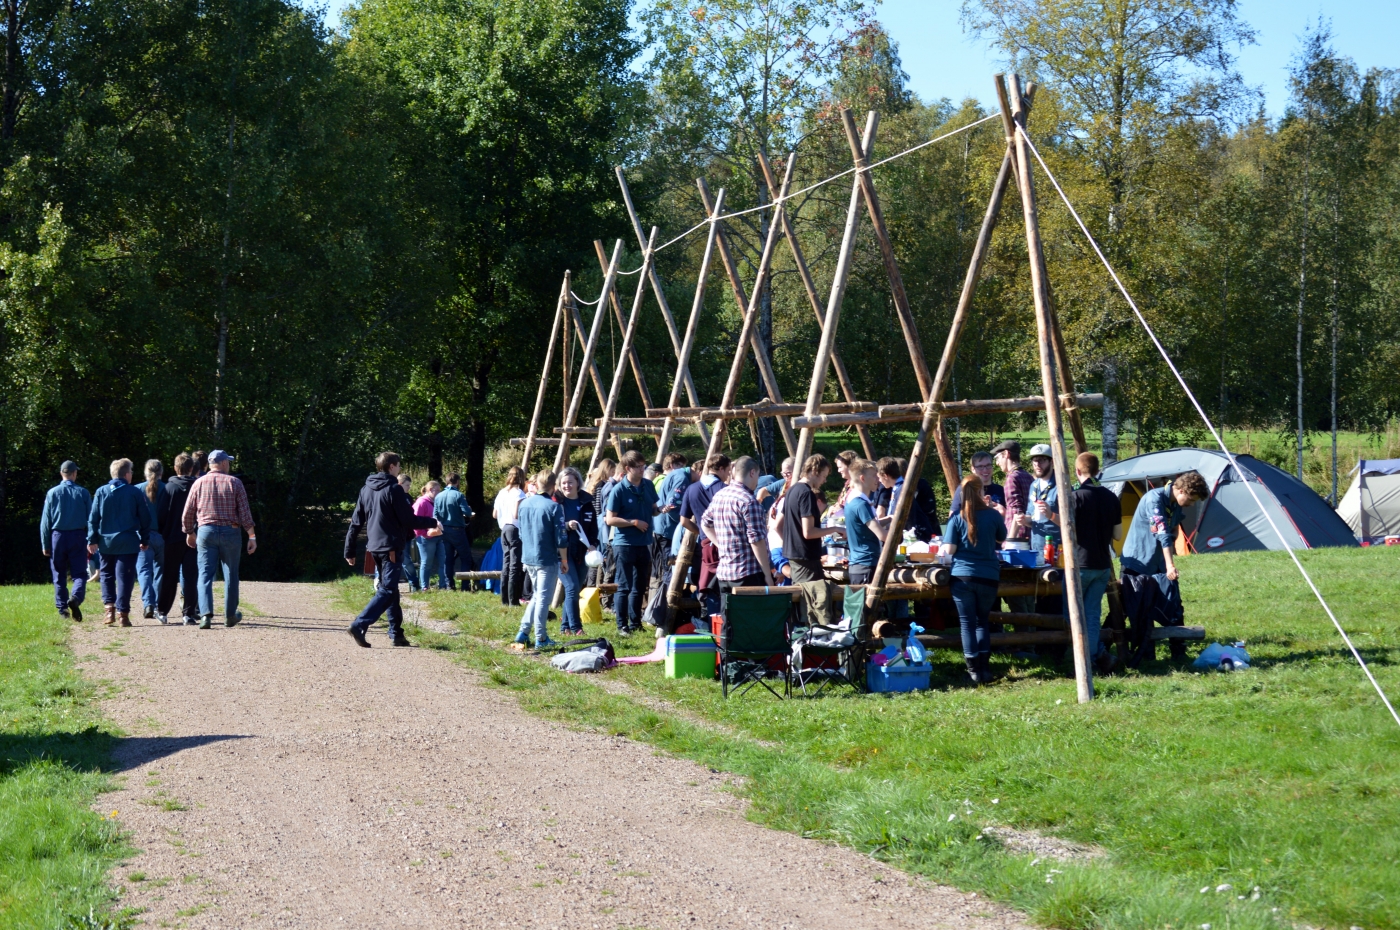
(223, 224)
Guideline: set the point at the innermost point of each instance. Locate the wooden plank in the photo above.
(1160, 633)
(477, 576)
(946, 641)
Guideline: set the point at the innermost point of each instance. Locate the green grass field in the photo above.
(54, 758)
(1283, 778)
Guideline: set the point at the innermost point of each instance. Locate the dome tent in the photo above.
(1230, 520)
(1371, 506)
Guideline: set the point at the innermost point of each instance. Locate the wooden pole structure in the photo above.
(544, 375)
(691, 325)
(592, 366)
(586, 363)
(629, 334)
(569, 310)
(1041, 293)
(827, 345)
(746, 335)
(838, 367)
(632, 359)
(761, 359)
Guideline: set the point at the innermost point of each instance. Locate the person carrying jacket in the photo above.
(181, 559)
(451, 509)
(119, 526)
(544, 543)
(386, 515)
(62, 532)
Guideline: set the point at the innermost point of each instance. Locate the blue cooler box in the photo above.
(888, 678)
(1020, 558)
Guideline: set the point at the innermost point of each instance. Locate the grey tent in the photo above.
(1371, 506)
(1230, 520)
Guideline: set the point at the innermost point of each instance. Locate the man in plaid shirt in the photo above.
(216, 508)
(735, 523)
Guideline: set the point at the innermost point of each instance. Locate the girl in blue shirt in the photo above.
(972, 538)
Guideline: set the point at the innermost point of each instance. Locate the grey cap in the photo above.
(1008, 445)
(219, 455)
(68, 466)
(1041, 449)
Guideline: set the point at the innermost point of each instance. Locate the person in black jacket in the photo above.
(386, 515)
(181, 561)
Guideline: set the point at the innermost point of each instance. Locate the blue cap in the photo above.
(68, 466)
(219, 455)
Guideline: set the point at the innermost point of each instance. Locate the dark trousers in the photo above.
(633, 580)
(512, 568)
(118, 575)
(457, 551)
(975, 599)
(182, 566)
(388, 574)
(68, 556)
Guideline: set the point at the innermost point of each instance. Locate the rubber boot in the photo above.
(125, 618)
(109, 614)
(974, 672)
(984, 669)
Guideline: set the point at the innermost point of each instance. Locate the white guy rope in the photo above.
(586, 303)
(825, 181)
(1249, 485)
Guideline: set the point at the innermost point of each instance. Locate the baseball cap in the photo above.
(1040, 448)
(219, 455)
(67, 466)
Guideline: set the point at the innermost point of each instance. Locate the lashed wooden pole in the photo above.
(746, 334)
(827, 345)
(569, 309)
(593, 374)
(544, 375)
(629, 334)
(1040, 291)
(843, 378)
(761, 359)
(691, 326)
(632, 359)
(586, 363)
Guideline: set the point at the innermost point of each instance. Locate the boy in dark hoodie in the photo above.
(386, 514)
(181, 561)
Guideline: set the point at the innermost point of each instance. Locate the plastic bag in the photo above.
(590, 606)
(912, 647)
(1222, 658)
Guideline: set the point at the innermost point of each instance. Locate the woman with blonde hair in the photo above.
(429, 542)
(150, 562)
(505, 511)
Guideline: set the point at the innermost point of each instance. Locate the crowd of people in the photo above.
(154, 535)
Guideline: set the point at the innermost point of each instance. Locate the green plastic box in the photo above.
(690, 656)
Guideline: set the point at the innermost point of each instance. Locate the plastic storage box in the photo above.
(888, 678)
(690, 656)
(1020, 558)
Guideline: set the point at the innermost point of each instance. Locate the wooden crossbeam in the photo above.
(910, 413)
(614, 429)
(760, 409)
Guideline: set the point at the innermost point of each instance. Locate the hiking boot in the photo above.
(235, 619)
(75, 609)
(359, 637)
(149, 612)
(63, 612)
(400, 640)
(206, 622)
(125, 617)
(109, 614)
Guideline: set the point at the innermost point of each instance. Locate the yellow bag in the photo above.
(590, 605)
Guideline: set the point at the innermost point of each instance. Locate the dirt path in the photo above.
(279, 776)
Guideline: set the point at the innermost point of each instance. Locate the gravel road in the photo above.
(278, 776)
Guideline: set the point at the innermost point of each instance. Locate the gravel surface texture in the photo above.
(277, 775)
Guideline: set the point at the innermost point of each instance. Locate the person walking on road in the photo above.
(181, 561)
(386, 515)
(454, 514)
(544, 543)
(119, 526)
(217, 507)
(429, 541)
(150, 562)
(62, 538)
(507, 504)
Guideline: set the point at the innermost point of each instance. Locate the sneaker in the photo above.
(235, 619)
(191, 621)
(75, 609)
(545, 643)
(163, 618)
(206, 622)
(148, 612)
(358, 637)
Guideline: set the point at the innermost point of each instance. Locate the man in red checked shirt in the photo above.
(217, 507)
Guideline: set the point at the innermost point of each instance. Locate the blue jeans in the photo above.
(407, 564)
(117, 572)
(543, 578)
(457, 549)
(429, 560)
(218, 545)
(573, 584)
(975, 601)
(68, 556)
(150, 569)
(386, 597)
(633, 576)
(1094, 581)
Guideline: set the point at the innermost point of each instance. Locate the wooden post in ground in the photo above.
(629, 334)
(586, 363)
(632, 359)
(827, 345)
(761, 359)
(838, 367)
(1009, 95)
(691, 325)
(544, 375)
(570, 310)
(746, 334)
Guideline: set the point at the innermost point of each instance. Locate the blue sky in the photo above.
(943, 62)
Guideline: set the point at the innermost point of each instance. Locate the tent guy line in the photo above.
(1209, 425)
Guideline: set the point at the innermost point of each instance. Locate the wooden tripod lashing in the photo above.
(628, 337)
(586, 363)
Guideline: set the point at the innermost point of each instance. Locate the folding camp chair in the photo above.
(835, 648)
(754, 641)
